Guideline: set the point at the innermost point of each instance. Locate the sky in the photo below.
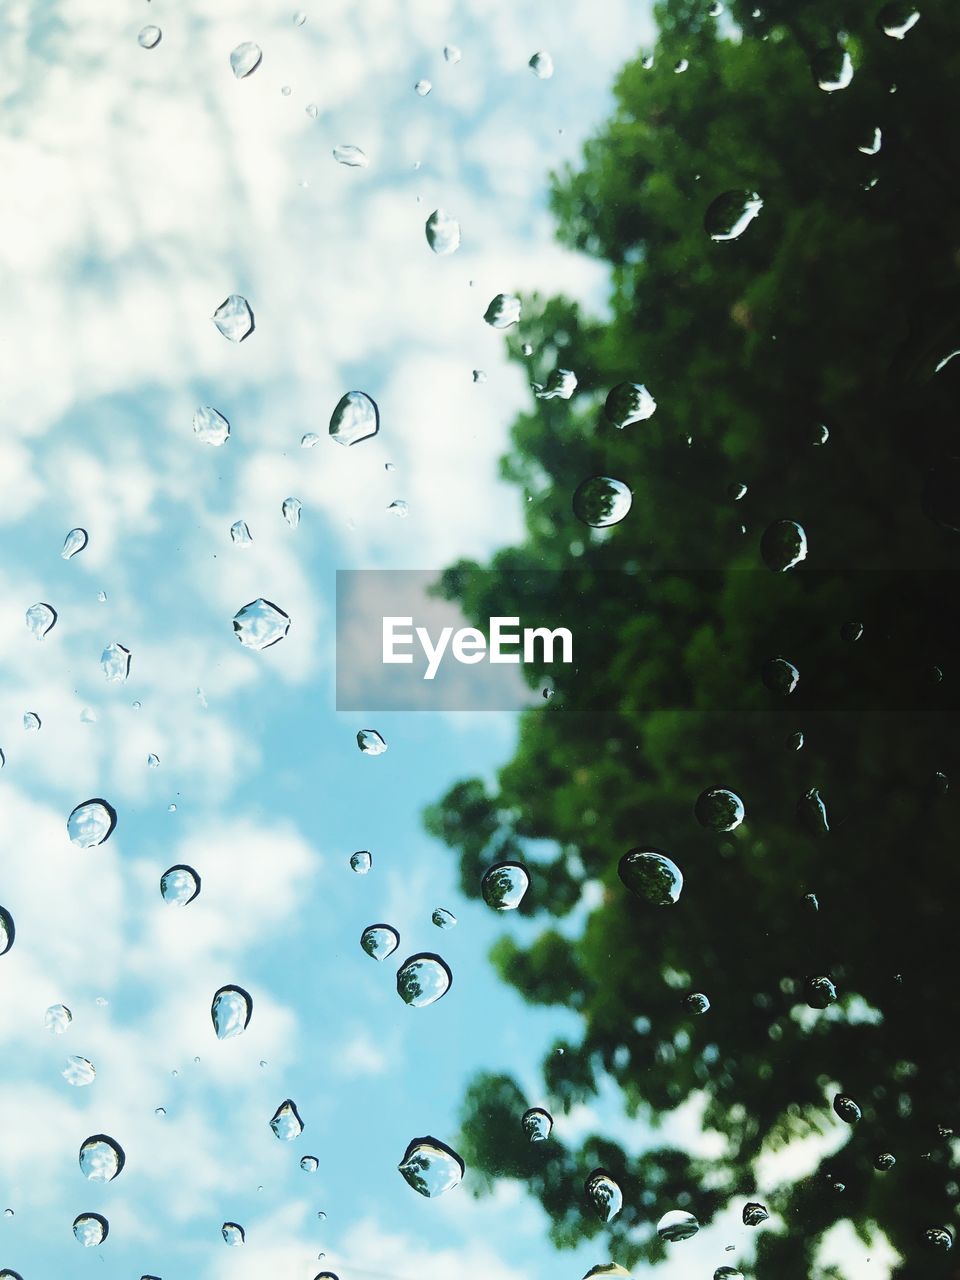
(142, 187)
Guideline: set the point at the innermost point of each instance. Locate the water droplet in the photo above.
(233, 1234)
(31, 721)
(101, 1158)
(938, 1238)
(719, 809)
(811, 901)
(847, 1109)
(312, 110)
(443, 232)
(57, 1018)
(153, 761)
(443, 918)
(601, 501)
(651, 875)
(7, 931)
(677, 1224)
(604, 1194)
(431, 1167)
(286, 1122)
(872, 147)
(728, 217)
(79, 1072)
(783, 545)
(851, 632)
(90, 1229)
(371, 743)
(115, 663)
(479, 375)
(245, 59)
(754, 1213)
(149, 37)
(736, 491)
(399, 508)
(309, 440)
(812, 812)
(234, 318)
(91, 823)
(896, 19)
(503, 311)
(727, 1273)
(541, 64)
(73, 543)
(291, 511)
(422, 87)
(88, 716)
(260, 624)
(309, 1164)
(560, 385)
(210, 426)
(451, 54)
(607, 1269)
(230, 1010)
(361, 861)
(355, 418)
(40, 619)
(299, 18)
(422, 979)
(240, 534)
(353, 157)
(884, 1162)
(780, 676)
(379, 941)
(504, 884)
(697, 1003)
(832, 69)
(627, 403)
(716, 8)
(536, 1124)
(179, 885)
(820, 992)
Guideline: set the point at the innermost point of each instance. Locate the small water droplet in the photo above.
(149, 37)
(697, 1003)
(361, 861)
(101, 1158)
(351, 156)
(91, 823)
(286, 1122)
(443, 918)
(820, 992)
(780, 676)
(7, 931)
(371, 743)
(727, 1273)
(451, 54)
(153, 761)
(812, 812)
(736, 491)
(676, 1225)
(399, 508)
(536, 1124)
(379, 941)
(504, 885)
(73, 543)
(811, 901)
(896, 19)
(355, 418)
(31, 721)
(309, 1164)
(443, 232)
(57, 1018)
(422, 87)
(210, 426)
(560, 385)
(234, 318)
(179, 885)
(719, 809)
(299, 18)
(90, 1229)
(233, 1234)
(851, 632)
(604, 1194)
(832, 68)
(884, 1162)
(847, 1109)
(40, 619)
(230, 1011)
(240, 534)
(680, 67)
(728, 217)
(479, 375)
(115, 663)
(79, 1072)
(431, 1167)
(601, 501)
(541, 64)
(88, 716)
(309, 440)
(422, 979)
(503, 311)
(873, 146)
(651, 875)
(260, 624)
(754, 1213)
(783, 545)
(627, 403)
(245, 59)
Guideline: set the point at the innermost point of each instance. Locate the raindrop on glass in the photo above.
(240, 534)
(680, 67)
(371, 743)
(873, 146)
(677, 1224)
(783, 545)
(560, 385)
(422, 87)
(233, 1234)
(651, 875)
(101, 1158)
(727, 1273)
(230, 1011)
(896, 19)
(451, 54)
(504, 884)
(399, 508)
(309, 1164)
(210, 426)
(847, 1109)
(422, 979)
(179, 885)
(90, 1229)
(938, 1238)
(601, 501)
(503, 311)
(361, 861)
(260, 624)
(149, 37)
(431, 1167)
(629, 402)
(57, 1018)
(541, 64)
(40, 619)
(443, 232)
(31, 721)
(291, 511)
(604, 1195)
(697, 1003)
(73, 543)
(719, 809)
(115, 663)
(299, 18)
(153, 761)
(443, 918)
(234, 318)
(728, 217)
(286, 1122)
(245, 59)
(91, 823)
(812, 812)
(478, 375)
(379, 941)
(754, 1213)
(309, 440)
(820, 992)
(355, 418)
(832, 69)
(7, 931)
(79, 1071)
(884, 1162)
(351, 156)
(780, 676)
(536, 1124)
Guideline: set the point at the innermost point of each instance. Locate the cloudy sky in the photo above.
(141, 187)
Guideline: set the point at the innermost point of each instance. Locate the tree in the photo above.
(803, 358)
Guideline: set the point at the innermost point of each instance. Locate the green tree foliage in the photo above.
(834, 307)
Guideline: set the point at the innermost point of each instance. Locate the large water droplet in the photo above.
(560, 385)
(601, 501)
(847, 1109)
(754, 1213)
(230, 1010)
(627, 403)
(379, 941)
(431, 1167)
(79, 1072)
(57, 1018)
(353, 157)
(286, 1122)
(240, 534)
(7, 931)
(780, 676)
(832, 68)
(355, 418)
(234, 318)
(443, 232)
(541, 64)
(73, 543)
(728, 217)
(309, 1164)
(819, 992)
(90, 1229)
(371, 743)
(361, 861)
(503, 311)
(115, 663)
(101, 1158)
(677, 1224)
(719, 809)
(422, 979)
(245, 58)
(443, 918)
(233, 1234)
(40, 619)
(783, 545)
(179, 885)
(149, 37)
(938, 1238)
(896, 19)
(604, 1194)
(504, 884)
(536, 1124)
(651, 875)
(260, 624)
(211, 426)
(91, 823)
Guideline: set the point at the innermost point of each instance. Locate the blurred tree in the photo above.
(799, 359)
